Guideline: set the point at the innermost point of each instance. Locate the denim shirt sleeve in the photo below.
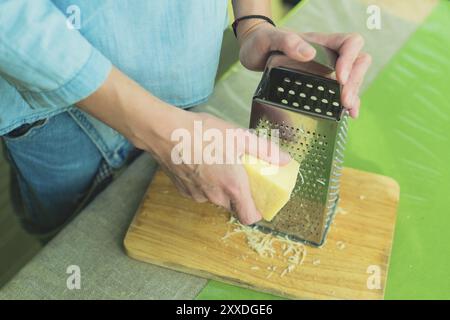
(50, 64)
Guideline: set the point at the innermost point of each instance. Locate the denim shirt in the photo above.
(55, 53)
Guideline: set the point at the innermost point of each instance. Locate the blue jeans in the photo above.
(57, 167)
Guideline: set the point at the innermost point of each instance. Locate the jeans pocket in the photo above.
(25, 130)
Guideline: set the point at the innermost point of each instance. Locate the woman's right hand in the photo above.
(150, 124)
(221, 180)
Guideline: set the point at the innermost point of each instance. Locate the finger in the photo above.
(267, 150)
(354, 112)
(348, 45)
(177, 182)
(183, 191)
(187, 190)
(196, 194)
(292, 45)
(180, 187)
(219, 199)
(241, 200)
(348, 53)
(351, 88)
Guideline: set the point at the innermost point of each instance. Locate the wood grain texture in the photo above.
(178, 233)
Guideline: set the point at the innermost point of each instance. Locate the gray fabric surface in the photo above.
(94, 240)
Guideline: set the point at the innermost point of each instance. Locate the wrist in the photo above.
(152, 122)
(248, 27)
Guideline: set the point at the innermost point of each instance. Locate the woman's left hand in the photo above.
(351, 66)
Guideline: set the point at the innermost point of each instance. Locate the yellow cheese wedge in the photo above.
(271, 185)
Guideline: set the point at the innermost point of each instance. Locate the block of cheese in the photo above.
(271, 185)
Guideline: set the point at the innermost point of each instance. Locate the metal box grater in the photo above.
(312, 124)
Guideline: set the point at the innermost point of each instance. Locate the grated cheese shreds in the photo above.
(288, 250)
(340, 245)
(301, 176)
(259, 242)
(294, 253)
(321, 181)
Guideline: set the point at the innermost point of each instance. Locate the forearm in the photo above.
(130, 109)
(250, 7)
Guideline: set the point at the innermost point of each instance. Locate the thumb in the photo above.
(293, 45)
(241, 201)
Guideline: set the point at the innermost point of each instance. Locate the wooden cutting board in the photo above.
(178, 233)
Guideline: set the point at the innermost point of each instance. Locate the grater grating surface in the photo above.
(312, 125)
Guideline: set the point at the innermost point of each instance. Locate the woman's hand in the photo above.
(150, 124)
(257, 40)
(224, 182)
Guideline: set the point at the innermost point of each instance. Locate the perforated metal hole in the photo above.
(306, 215)
(309, 94)
(307, 210)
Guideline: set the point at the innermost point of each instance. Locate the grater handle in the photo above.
(324, 62)
(325, 57)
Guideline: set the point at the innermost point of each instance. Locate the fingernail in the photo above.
(353, 113)
(257, 218)
(307, 51)
(252, 219)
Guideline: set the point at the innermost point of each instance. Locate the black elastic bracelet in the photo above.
(236, 22)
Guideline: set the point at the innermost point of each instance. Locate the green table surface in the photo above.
(403, 132)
